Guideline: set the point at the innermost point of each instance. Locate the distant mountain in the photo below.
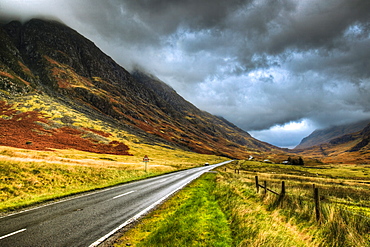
(325, 135)
(347, 148)
(49, 59)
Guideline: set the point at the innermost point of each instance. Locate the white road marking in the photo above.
(13, 233)
(124, 194)
(88, 193)
(161, 181)
(146, 210)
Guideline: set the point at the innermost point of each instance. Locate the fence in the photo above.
(316, 198)
(282, 195)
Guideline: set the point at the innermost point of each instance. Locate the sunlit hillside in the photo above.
(63, 85)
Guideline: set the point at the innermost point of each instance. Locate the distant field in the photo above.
(29, 177)
(258, 219)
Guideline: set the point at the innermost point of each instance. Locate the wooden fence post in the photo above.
(317, 203)
(313, 189)
(257, 185)
(282, 193)
(282, 188)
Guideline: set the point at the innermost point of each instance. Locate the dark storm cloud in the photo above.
(318, 25)
(259, 63)
(167, 16)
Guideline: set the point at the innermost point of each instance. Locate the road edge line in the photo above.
(13, 233)
(141, 213)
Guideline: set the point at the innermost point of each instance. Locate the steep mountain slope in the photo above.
(325, 135)
(50, 59)
(349, 148)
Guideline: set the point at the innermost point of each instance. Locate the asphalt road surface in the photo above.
(89, 219)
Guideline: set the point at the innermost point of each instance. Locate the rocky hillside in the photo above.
(326, 135)
(49, 59)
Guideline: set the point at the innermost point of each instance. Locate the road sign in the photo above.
(146, 160)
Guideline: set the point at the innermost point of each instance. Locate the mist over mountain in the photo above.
(48, 58)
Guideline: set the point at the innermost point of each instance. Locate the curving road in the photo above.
(89, 219)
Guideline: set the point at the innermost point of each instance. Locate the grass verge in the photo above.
(24, 184)
(215, 210)
(191, 218)
(251, 223)
(29, 177)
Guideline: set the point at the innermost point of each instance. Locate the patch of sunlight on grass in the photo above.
(191, 218)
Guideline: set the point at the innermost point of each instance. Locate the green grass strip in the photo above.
(251, 224)
(215, 210)
(191, 218)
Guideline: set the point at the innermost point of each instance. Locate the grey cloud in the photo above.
(318, 24)
(168, 16)
(113, 22)
(254, 34)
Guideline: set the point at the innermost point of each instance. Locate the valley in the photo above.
(72, 121)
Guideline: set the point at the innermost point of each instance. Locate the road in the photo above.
(89, 219)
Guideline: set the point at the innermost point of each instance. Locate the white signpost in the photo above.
(146, 160)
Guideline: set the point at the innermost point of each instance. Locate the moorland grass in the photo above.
(214, 211)
(344, 201)
(24, 184)
(251, 223)
(29, 177)
(256, 219)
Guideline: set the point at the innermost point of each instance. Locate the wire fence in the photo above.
(315, 197)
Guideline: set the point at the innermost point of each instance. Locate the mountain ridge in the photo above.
(47, 57)
(322, 136)
(353, 147)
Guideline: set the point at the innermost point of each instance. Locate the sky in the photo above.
(278, 69)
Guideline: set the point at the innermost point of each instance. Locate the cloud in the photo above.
(24, 10)
(258, 63)
(287, 135)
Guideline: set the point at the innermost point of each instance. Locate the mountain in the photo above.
(63, 77)
(347, 148)
(325, 135)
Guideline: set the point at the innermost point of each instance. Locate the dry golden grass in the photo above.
(29, 177)
(344, 199)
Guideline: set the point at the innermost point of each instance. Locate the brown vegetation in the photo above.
(31, 130)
